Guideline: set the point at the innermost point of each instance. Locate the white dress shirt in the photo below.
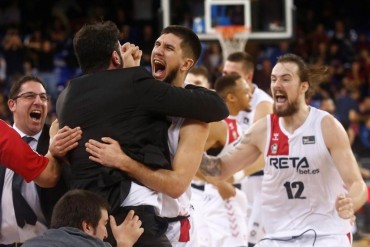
(10, 231)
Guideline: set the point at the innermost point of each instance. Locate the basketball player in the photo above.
(172, 57)
(220, 208)
(261, 106)
(312, 184)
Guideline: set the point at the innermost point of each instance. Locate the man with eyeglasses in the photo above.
(28, 101)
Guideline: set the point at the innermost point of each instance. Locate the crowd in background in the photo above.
(325, 33)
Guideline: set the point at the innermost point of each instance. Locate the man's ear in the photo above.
(115, 58)
(86, 227)
(230, 97)
(248, 76)
(12, 105)
(187, 64)
(305, 86)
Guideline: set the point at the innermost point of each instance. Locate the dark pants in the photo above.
(154, 226)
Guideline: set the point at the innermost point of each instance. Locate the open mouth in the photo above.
(280, 98)
(159, 69)
(35, 115)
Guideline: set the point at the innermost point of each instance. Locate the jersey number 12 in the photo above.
(294, 190)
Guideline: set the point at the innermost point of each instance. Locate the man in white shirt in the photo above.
(28, 102)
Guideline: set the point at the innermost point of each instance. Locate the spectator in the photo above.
(79, 219)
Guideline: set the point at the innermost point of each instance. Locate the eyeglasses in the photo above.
(32, 96)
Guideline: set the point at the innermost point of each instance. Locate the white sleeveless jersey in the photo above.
(233, 135)
(175, 207)
(245, 119)
(301, 181)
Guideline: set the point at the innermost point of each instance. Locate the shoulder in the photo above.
(258, 129)
(329, 123)
(217, 127)
(332, 131)
(4, 126)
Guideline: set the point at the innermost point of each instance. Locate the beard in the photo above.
(289, 111)
(171, 76)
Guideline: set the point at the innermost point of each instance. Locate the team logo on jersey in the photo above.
(299, 163)
(275, 137)
(274, 148)
(308, 140)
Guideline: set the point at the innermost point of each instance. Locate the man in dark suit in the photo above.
(129, 105)
(28, 102)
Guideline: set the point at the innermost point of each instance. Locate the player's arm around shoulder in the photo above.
(337, 142)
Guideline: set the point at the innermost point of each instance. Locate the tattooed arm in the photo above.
(243, 154)
(210, 165)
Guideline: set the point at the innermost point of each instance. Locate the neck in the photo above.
(232, 109)
(178, 81)
(291, 123)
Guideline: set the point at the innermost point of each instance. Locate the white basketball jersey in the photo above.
(233, 136)
(245, 119)
(175, 207)
(301, 181)
(234, 133)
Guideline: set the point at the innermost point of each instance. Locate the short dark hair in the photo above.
(190, 41)
(94, 44)
(77, 206)
(225, 84)
(242, 57)
(16, 86)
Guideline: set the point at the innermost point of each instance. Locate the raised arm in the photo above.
(193, 102)
(336, 140)
(171, 182)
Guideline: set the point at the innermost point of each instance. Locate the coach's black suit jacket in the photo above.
(47, 196)
(130, 106)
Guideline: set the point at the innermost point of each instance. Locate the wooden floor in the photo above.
(362, 243)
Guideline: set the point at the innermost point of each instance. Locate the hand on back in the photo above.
(63, 140)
